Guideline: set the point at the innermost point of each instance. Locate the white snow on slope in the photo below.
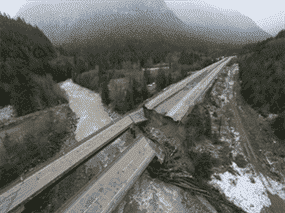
(249, 190)
(251, 197)
(6, 113)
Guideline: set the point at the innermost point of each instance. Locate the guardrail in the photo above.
(33, 185)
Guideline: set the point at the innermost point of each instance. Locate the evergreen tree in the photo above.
(160, 80)
(169, 80)
(183, 73)
(101, 74)
(169, 59)
(76, 71)
(144, 91)
(105, 93)
(184, 59)
(147, 76)
(281, 34)
(149, 63)
(136, 93)
(130, 103)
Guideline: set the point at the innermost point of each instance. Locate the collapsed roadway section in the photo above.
(173, 105)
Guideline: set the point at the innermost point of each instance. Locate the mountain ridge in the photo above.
(61, 24)
(60, 19)
(230, 20)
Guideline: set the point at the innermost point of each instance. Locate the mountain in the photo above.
(224, 25)
(273, 24)
(64, 22)
(106, 23)
(64, 12)
(274, 30)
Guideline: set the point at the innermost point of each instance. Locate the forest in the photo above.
(262, 78)
(26, 77)
(31, 67)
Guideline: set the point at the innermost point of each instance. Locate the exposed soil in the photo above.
(266, 151)
(248, 134)
(265, 144)
(192, 158)
(237, 134)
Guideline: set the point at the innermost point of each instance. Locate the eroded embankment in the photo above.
(238, 136)
(212, 129)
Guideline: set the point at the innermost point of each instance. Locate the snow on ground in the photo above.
(6, 113)
(250, 195)
(274, 187)
(88, 107)
(249, 189)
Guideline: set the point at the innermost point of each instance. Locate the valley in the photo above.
(140, 106)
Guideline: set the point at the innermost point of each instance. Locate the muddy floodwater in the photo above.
(88, 108)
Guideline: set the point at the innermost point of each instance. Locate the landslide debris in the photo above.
(210, 145)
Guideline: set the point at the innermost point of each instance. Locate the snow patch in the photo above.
(6, 113)
(248, 191)
(251, 197)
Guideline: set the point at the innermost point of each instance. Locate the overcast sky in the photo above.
(265, 13)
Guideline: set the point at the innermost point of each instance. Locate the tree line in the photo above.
(262, 77)
(28, 59)
(26, 77)
(136, 90)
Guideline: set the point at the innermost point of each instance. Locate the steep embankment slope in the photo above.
(248, 139)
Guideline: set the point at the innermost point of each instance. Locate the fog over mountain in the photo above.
(274, 30)
(68, 20)
(227, 25)
(63, 12)
(273, 24)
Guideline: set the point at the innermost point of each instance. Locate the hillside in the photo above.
(221, 25)
(108, 24)
(275, 29)
(25, 52)
(104, 16)
(273, 24)
(262, 76)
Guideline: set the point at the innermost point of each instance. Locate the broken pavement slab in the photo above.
(104, 193)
